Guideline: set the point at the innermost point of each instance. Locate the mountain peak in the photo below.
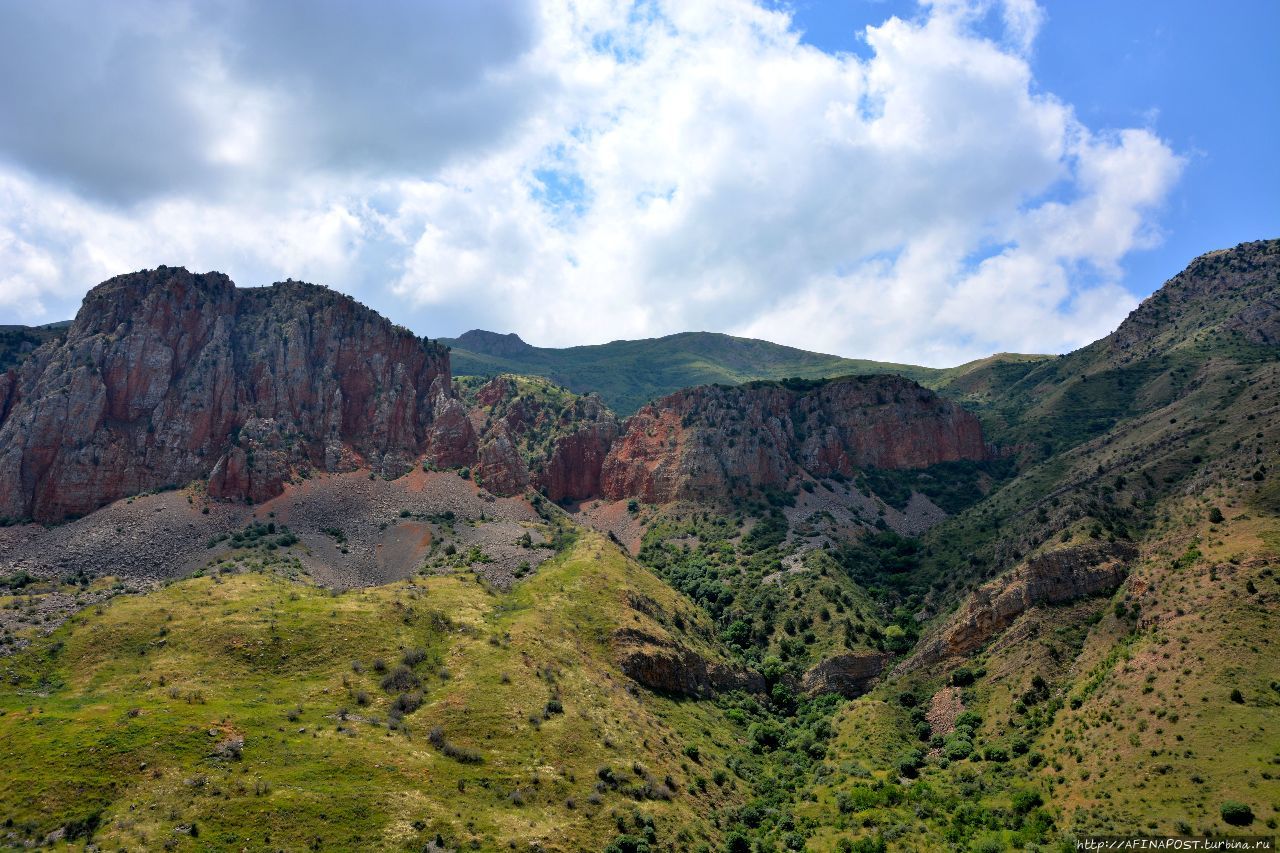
(493, 343)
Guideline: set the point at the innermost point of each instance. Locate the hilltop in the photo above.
(628, 374)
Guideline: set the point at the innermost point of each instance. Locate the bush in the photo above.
(407, 703)
(401, 679)
(413, 657)
(1237, 696)
(1215, 516)
(962, 677)
(1026, 800)
(957, 748)
(1237, 813)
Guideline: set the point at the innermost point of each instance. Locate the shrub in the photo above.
(413, 657)
(401, 679)
(1215, 516)
(1026, 800)
(957, 748)
(962, 677)
(407, 703)
(1237, 696)
(995, 753)
(1237, 813)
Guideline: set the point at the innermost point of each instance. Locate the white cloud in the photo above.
(610, 170)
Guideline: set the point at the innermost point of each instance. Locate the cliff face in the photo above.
(1053, 578)
(713, 441)
(672, 668)
(166, 376)
(849, 675)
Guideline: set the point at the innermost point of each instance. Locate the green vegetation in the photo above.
(628, 374)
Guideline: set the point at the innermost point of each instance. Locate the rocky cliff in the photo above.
(712, 441)
(1053, 578)
(671, 668)
(850, 674)
(166, 377)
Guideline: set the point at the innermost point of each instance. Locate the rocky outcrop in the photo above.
(573, 470)
(712, 441)
(167, 377)
(850, 674)
(1053, 578)
(500, 467)
(668, 667)
(493, 343)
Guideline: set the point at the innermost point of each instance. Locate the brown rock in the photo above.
(667, 667)
(712, 441)
(164, 375)
(1052, 578)
(849, 675)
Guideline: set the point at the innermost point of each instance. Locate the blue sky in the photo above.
(925, 182)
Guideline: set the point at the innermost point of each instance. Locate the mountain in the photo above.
(18, 342)
(628, 374)
(1034, 601)
(166, 377)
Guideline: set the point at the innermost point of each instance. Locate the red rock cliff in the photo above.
(712, 441)
(166, 376)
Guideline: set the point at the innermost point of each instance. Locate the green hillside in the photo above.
(17, 342)
(628, 374)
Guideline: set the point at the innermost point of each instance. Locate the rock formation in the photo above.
(167, 377)
(713, 441)
(671, 668)
(1053, 578)
(849, 674)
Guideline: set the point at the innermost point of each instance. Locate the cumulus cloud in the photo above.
(591, 170)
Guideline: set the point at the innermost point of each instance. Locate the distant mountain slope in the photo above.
(1223, 308)
(17, 342)
(628, 374)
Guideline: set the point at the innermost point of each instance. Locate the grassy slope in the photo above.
(627, 374)
(1136, 729)
(115, 718)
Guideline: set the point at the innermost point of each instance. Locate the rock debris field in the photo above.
(342, 530)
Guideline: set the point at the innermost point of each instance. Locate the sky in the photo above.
(923, 182)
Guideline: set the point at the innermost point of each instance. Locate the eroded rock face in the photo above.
(573, 471)
(1053, 578)
(670, 668)
(849, 674)
(166, 377)
(713, 441)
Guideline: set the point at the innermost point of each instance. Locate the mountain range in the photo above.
(278, 574)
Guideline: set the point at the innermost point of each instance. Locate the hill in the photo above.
(628, 374)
